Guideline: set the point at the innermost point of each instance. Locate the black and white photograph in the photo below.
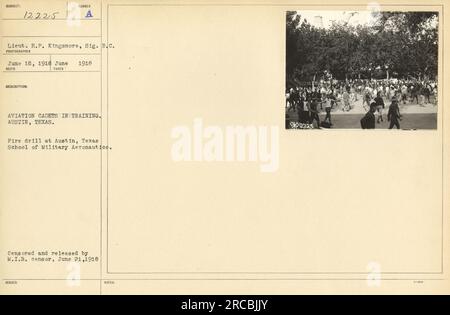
(367, 69)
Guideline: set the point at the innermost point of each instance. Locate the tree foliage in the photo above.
(403, 44)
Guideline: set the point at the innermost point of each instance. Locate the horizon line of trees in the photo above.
(397, 44)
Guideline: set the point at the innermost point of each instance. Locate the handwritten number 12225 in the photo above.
(39, 15)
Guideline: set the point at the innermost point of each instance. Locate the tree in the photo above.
(404, 43)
